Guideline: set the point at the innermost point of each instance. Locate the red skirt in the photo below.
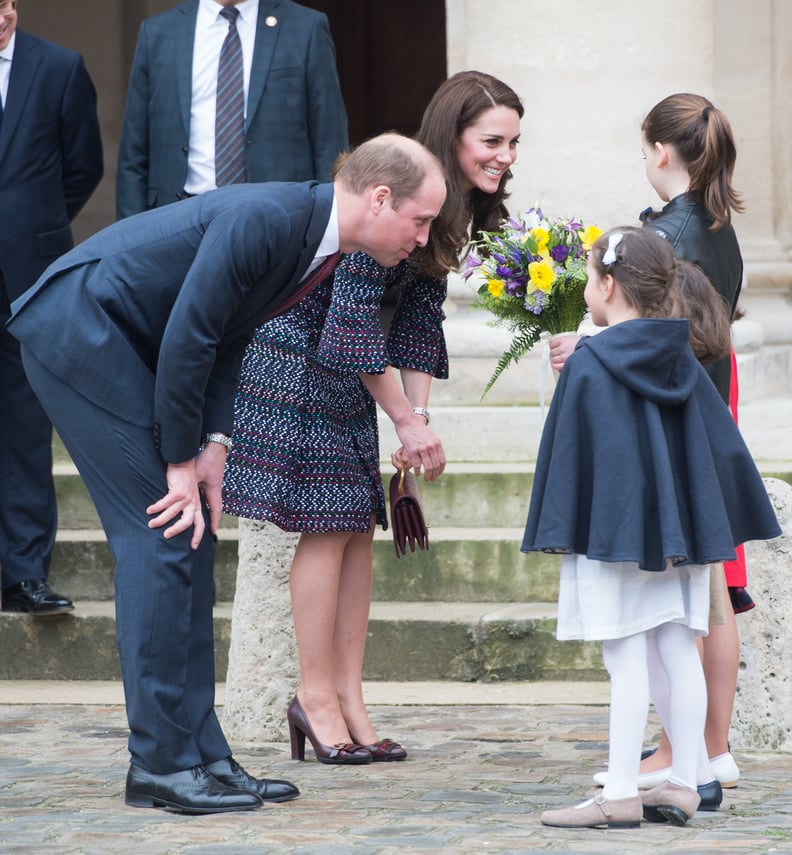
(736, 571)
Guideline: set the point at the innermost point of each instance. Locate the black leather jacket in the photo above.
(685, 223)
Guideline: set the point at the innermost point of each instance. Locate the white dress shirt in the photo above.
(6, 57)
(210, 32)
(329, 244)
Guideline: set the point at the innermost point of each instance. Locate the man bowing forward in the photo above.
(133, 341)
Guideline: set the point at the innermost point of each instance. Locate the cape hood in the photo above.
(650, 356)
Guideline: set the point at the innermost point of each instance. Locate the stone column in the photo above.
(762, 719)
(262, 662)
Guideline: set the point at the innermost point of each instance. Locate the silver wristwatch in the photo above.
(222, 438)
(422, 411)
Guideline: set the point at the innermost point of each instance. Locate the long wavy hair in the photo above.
(456, 105)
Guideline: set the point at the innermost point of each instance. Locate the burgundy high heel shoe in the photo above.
(385, 751)
(299, 727)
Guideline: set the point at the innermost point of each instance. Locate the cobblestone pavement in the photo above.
(476, 781)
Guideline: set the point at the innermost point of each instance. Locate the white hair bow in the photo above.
(609, 256)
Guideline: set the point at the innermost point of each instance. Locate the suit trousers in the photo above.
(28, 512)
(163, 588)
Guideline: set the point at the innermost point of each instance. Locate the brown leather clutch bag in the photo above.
(407, 519)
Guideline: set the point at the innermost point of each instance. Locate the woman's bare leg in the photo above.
(315, 584)
(350, 636)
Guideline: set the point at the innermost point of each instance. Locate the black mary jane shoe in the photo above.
(230, 773)
(192, 791)
(711, 795)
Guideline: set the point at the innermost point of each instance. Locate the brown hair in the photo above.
(396, 161)
(710, 329)
(660, 285)
(702, 137)
(456, 105)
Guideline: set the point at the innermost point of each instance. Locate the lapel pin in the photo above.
(271, 21)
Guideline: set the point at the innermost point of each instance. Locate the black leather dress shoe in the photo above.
(35, 597)
(229, 772)
(190, 791)
(711, 795)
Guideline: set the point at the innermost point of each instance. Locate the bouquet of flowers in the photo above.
(534, 272)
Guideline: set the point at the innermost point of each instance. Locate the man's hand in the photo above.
(183, 498)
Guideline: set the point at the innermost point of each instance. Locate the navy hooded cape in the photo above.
(640, 459)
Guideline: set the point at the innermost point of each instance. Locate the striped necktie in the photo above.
(230, 107)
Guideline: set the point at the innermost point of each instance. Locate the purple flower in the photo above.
(516, 255)
(472, 263)
(503, 271)
(560, 253)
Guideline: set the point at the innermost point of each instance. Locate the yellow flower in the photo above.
(589, 235)
(542, 238)
(495, 287)
(542, 275)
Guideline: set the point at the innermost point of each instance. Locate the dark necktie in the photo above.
(322, 271)
(230, 107)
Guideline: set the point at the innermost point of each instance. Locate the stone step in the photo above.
(472, 495)
(407, 641)
(461, 564)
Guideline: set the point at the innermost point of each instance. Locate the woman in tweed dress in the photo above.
(305, 450)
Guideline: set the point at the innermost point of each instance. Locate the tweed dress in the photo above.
(305, 450)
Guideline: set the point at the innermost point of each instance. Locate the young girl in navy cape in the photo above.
(642, 480)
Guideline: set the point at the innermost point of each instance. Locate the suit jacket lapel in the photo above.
(263, 51)
(24, 66)
(183, 44)
(316, 228)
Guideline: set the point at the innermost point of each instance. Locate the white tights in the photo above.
(627, 661)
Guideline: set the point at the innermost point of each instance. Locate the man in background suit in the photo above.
(295, 123)
(50, 163)
(134, 343)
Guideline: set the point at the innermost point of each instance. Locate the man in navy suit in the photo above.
(50, 163)
(134, 342)
(295, 122)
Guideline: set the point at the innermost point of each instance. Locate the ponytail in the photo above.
(702, 137)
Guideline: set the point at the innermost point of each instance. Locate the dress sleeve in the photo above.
(352, 339)
(416, 337)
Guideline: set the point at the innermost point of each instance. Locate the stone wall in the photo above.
(762, 719)
(586, 89)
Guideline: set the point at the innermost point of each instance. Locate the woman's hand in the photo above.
(421, 447)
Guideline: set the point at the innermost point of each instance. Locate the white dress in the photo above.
(599, 600)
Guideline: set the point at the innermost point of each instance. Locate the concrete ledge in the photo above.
(407, 641)
(423, 693)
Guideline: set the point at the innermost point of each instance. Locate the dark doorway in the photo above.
(391, 58)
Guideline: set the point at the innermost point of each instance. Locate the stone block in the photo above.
(263, 671)
(762, 718)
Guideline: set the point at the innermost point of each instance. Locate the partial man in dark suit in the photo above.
(293, 123)
(50, 163)
(134, 343)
